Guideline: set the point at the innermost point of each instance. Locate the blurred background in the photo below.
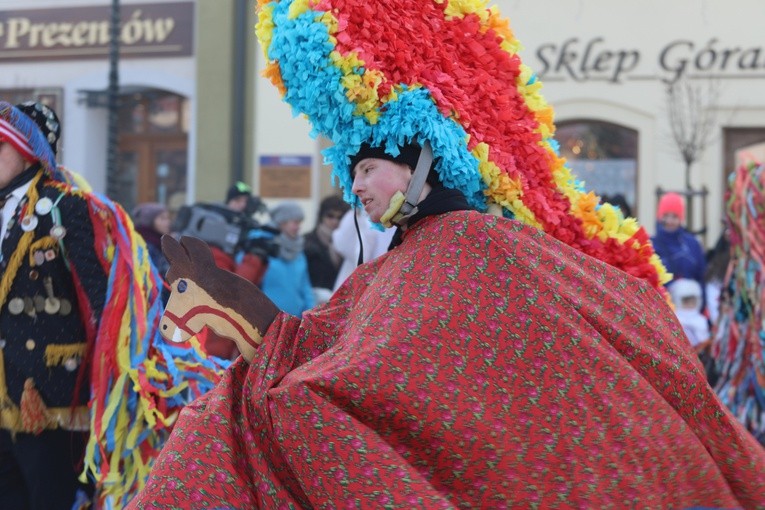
(650, 96)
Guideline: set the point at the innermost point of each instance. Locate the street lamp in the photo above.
(112, 186)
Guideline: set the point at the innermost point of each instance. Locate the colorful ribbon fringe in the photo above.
(740, 342)
(139, 383)
(448, 72)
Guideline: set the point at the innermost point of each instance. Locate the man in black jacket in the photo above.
(52, 293)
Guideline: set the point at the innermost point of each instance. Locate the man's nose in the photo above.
(356, 185)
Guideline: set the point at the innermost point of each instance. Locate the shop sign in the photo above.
(593, 59)
(285, 176)
(146, 30)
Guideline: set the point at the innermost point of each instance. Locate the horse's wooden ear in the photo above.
(198, 251)
(173, 250)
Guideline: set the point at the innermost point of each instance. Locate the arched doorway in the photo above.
(604, 155)
(152, 148)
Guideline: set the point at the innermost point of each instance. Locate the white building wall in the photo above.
(278, 132)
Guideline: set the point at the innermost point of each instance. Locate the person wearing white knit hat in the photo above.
(286, 281)
(686, 296)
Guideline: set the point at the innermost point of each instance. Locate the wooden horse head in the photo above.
(205, 295)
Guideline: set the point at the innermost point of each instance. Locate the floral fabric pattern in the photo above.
(481, 364)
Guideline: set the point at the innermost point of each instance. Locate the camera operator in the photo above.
(239, 198)
(250, 254)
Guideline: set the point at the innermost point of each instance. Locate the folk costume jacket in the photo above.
(479, 364)
(52, 293)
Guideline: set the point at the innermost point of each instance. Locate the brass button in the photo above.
(30, 345)
(52, 305)
(43, 206)
(33, 275)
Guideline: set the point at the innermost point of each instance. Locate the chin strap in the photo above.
(360, 259)
(409, 207)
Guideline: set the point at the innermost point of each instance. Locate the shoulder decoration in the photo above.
(139, 382)
(446, 71)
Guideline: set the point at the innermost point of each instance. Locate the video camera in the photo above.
(231, 231)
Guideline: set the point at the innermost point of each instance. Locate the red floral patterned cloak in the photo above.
(479, 364)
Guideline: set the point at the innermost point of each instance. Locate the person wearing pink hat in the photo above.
(679, 250)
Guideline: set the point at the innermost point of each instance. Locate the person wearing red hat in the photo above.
(679, 250)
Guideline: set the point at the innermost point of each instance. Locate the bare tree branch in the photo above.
(692, 115)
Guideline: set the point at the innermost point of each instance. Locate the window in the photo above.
(604, 156)
(153, 146)
(153, 111)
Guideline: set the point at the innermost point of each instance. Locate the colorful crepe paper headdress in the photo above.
(387, 73)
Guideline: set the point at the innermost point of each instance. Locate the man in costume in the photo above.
(739, 342)
(52, 293)
(82, 379)
(485, 361)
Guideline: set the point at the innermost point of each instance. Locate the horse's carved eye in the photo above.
(182, 286)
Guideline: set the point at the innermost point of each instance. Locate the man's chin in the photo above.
(373, 215)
